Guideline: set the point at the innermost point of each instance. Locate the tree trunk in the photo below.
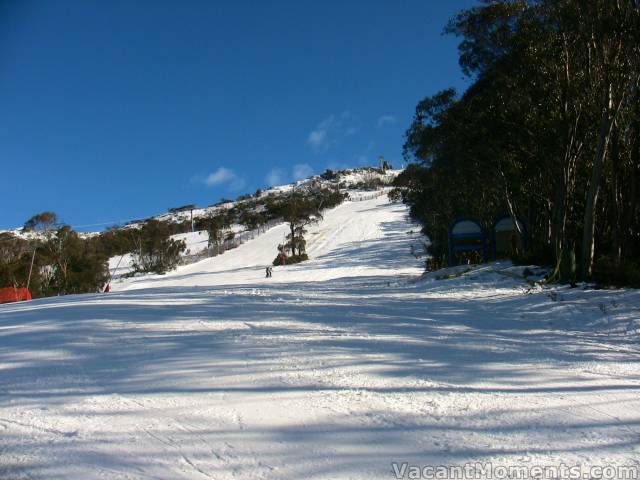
(559, 214)
(511, 205)
(616, 196)
(629, 246)
(588, 229)
(293, 238)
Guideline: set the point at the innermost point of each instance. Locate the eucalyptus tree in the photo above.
(549, 122)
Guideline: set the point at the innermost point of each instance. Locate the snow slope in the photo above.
(332, 369)
(354, 239)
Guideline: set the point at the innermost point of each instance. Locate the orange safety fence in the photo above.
(12, 294)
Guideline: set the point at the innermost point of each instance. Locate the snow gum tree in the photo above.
(547, 132)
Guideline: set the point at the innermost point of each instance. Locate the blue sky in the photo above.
(111, 111)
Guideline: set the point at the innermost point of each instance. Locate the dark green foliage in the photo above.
(302, 208)
(435, 263)
(608, 271)
(370, 184)
(15, 260)
(548, 131)
(63, 263)
(567, 267)
(216, 224)
(329, 175)
(251, 219)
(179, 227)
(153, 250)
(76, 265)
(291, 259)
(299, 210)
(41, 221)
(538, 256)
(184, 208)
(117, 241)
(330, 197)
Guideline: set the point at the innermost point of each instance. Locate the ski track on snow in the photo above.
(331, 369)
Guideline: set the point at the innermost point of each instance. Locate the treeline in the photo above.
(548, 132)
(53, 259)
(149, 244)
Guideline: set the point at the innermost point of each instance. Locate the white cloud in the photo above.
(386, 120)
(225, 176)
(275, 177)
(331, 129)
(317, 139)
(302, 170)
(221, 175)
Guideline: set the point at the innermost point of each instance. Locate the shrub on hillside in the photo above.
(154, 250)
(41, 221)
(79, 265)
(371, 183)
(291, 259)
(329, 175)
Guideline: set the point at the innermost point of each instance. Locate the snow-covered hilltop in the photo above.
(353, 181)
(334, 368)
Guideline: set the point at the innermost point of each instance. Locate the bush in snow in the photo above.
(154, 250)
(290, 260)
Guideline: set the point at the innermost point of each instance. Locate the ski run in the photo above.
(353, 365)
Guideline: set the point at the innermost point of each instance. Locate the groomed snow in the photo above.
(331, 369)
